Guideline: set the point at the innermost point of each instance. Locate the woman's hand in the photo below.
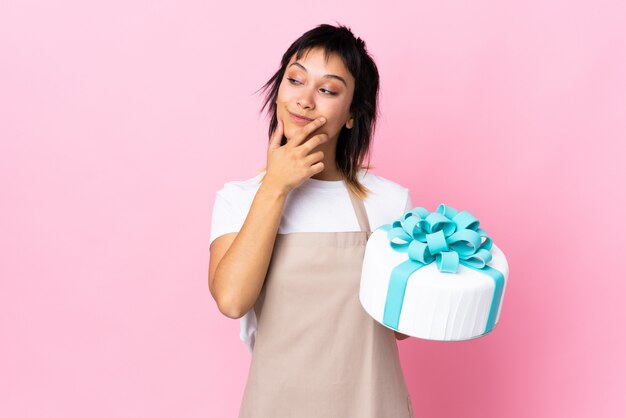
(288, 166)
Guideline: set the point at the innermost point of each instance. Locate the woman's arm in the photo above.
(239, 262)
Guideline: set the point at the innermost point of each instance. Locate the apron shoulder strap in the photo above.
(361, 213)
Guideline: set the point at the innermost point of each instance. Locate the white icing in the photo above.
(437, 306)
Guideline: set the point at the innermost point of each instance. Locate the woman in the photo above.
(287, 245)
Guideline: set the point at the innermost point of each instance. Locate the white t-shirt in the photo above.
(314, 206)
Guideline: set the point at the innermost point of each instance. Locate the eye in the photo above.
(296, 82)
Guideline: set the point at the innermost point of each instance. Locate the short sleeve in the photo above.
(229, 211)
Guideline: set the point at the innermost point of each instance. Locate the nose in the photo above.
(305, 100)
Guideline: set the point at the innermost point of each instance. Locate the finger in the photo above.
(317, 168)
(306, 131)
(315, 141)
(277, 136)
(316, 157)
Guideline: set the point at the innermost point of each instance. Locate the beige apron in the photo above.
(317, 353)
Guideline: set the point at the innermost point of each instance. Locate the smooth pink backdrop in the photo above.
(119, 121)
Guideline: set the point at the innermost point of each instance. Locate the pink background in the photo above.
(120, 120)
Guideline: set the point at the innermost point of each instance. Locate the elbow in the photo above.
(229, 304)
(226, 305)
(230, 310)
(229, 307)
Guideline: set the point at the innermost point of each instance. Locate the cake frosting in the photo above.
(435, 276)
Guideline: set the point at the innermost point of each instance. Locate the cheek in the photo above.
(285, 93)
(336, 121)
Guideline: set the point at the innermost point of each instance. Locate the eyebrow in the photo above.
(325, 75)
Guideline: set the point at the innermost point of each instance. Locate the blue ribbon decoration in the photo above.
(447, 237)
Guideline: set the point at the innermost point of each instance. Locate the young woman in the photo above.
(287, 245)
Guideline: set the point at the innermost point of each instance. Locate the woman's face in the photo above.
(312, 88)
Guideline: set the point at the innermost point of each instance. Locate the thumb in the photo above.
(277, 136)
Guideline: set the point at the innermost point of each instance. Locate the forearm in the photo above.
(241, 273)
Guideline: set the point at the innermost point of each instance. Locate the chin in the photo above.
(287, 132)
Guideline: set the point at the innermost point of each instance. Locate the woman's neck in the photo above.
(328, 175)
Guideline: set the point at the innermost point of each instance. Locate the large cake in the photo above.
(436, 276)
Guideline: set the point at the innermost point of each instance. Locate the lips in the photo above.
(299, 118)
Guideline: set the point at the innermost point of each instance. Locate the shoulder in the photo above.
(387, 199)
(237, 189)
(251, 183)
(382, 187)
(232, 203)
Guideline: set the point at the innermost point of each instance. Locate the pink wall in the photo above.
(119, 121)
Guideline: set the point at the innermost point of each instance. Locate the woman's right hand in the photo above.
(288, 166)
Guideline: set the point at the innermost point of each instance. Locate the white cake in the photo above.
(429, 303)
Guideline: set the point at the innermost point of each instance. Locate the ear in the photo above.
(350, 123)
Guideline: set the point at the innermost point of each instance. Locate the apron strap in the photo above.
(361, 213)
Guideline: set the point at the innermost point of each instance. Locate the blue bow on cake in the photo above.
(449, 238)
